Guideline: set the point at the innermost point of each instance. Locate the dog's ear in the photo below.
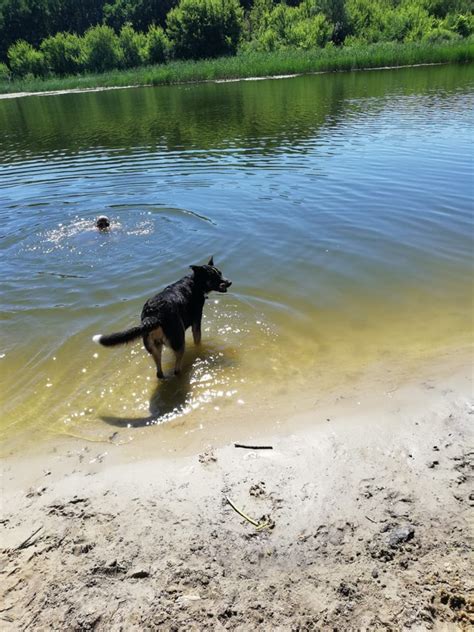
(196, 269)
(211, 261)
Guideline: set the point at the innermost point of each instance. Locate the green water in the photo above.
(340, 206)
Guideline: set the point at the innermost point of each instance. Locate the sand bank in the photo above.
(367, 511)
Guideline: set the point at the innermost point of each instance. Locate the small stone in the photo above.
(375, 573)
(399, 535)
(433, 464)
(140, 573)
(456, 602)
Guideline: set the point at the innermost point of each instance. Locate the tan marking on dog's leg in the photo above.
(156, 339)
(156, 350)
(179, 360)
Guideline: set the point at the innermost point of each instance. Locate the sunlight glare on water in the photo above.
(339, 205)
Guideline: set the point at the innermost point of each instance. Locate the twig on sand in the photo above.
(258, 525)
(374, 521)
(253, 447)
(24, 544)
(81, 438)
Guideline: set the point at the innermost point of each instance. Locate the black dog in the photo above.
(166, 316)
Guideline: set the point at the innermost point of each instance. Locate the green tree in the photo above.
(281, 26)
(205, 28)
(140, 13)
(158, 45)
(33, 20)
(133, 46)
(335, 13)
(366, 19)
(62, 53)
(23, 60)
(101, 49)
(313, 32)
(5, 73)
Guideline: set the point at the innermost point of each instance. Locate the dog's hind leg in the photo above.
(156, 353)
(154, 346)
(175, 338)
(178, 344)
(179, 353)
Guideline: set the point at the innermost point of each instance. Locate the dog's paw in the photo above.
(160, 375)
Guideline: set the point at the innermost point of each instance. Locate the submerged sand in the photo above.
(368, 507)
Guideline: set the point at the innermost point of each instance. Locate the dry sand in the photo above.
(368, 507)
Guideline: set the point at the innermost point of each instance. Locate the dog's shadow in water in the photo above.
(171, 395)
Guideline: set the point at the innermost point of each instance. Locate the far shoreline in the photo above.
(250, 67)
(52, 93)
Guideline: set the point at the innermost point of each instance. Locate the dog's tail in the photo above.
(122, 337)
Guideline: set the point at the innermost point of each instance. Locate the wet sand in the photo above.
(367, 505)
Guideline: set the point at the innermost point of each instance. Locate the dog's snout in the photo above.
(223, 285)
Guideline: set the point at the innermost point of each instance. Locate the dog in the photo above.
(102, 222)
(166, 316)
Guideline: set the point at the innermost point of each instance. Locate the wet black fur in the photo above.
(174, 309)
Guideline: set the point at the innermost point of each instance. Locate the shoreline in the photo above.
(48, 93)
(358, 538)
(140, 437)
(252, 66)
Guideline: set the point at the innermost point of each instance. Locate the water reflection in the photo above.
(261, 118)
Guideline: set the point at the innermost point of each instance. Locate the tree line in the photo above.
(44, 37)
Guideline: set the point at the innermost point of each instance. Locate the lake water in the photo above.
(340, 205)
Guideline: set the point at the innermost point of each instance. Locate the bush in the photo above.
(157, 46)
(310, 33)
(205, 28)
(440, 34)
(366, 20)
(26, 60)
(5, 74)
(281, 26)
(463, 25)
(372, 21)
(408, 24)
(101, 49)
(140, 13)
(62, 53)
(133, 46)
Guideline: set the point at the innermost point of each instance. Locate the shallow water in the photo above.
(340, 205)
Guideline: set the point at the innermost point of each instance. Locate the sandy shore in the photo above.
(366, 516)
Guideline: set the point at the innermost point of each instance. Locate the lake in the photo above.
(340, 205)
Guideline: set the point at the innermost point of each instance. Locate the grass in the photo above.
(253, 64)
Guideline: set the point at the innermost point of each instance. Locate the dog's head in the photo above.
(210, 277)
(102, 222)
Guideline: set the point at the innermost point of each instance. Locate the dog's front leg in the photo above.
(196, 325)
(197, 332)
